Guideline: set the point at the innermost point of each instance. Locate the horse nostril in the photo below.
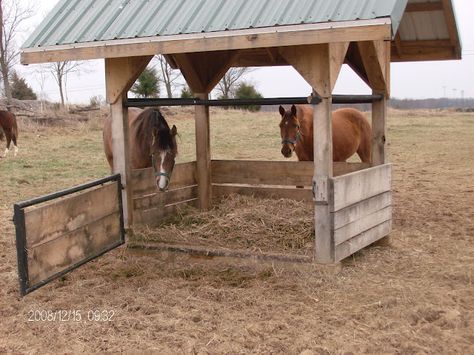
(286, 151)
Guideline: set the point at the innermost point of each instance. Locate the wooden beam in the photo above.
(376, 58)
(121, 73)
(204, 70)
(354, 60)
(361, 30)
(423, 50)
(203, 154)
(452, 27)
(424, 6)
(318, 64)
(258, 57)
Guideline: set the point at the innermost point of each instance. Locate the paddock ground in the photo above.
(414, 296)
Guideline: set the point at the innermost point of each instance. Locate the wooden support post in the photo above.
(320, 66)
(120, 74)
(120, 149)
(323, 172)
(379, 131)
(203, 154)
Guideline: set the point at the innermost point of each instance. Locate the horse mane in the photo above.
(151, 120)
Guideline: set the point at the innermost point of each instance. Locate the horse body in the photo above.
(351, 133)
(9, 129)
(151, 143)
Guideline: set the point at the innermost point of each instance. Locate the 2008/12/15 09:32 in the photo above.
(71, 315)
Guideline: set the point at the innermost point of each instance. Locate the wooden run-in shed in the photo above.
(204, 38)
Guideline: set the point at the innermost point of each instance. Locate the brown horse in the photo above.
(9, 129)
(351, 133)
(151, 142)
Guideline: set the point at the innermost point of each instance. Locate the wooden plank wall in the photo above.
(270, 179)
(61, 233)
(361, 210)
(151, 205)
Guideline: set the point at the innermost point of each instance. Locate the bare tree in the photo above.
(228, 84)
(13, 14)
(169, 76)
(41, 74)
(60, 71)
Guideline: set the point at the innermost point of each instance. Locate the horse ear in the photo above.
(293, 110)
(282, 110)
(174, 130)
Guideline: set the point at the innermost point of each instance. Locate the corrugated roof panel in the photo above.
(271, 16)
(73, 21)
(227, 15)
(81, 23)
(153, 10)
(125, 16)
(54, 21)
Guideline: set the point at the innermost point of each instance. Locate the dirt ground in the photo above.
(415, 295)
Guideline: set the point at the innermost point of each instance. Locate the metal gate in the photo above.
(59, 232)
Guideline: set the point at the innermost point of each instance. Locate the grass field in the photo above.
(413, 296)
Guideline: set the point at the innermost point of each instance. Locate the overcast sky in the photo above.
(409, 80)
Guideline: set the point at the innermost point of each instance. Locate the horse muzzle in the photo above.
(163, 181)
(286, 151)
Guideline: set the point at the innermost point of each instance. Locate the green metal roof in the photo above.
(82, 21)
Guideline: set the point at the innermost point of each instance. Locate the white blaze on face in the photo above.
(163, 179)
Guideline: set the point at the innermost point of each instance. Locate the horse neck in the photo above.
(304, 150)
(140, 140)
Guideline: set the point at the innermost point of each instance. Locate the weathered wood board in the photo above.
(50, 258)
(361, 185)
(59, 232)
(361, 212)
(280, 173)
(144, 181)
(52, 220)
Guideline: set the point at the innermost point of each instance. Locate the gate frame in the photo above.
(19, 221)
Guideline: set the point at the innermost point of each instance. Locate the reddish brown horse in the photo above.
(151, 142)
(351, 133)
(9, 129)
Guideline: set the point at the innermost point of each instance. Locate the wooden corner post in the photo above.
(120, 74)
(320, 66)
(203, 153)
(375, 57)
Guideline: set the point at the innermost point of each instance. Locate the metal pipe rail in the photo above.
(336, 99)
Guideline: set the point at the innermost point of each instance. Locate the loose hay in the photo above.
(243, 223)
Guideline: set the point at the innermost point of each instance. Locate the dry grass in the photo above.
(240, 222)
(414, 296)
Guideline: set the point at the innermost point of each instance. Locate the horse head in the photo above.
(163, 149)
(289, 130)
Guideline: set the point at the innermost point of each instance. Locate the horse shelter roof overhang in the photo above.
(94, 29)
